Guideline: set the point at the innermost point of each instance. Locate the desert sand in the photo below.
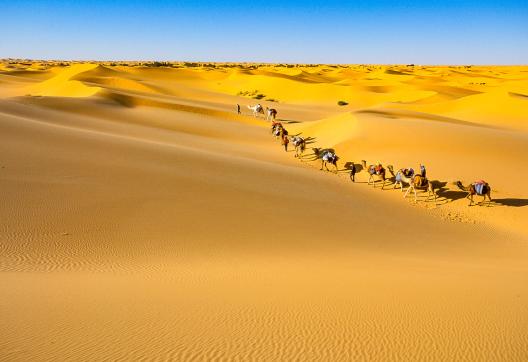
(143, 218)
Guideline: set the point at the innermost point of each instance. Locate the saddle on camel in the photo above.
(376, 170)
(479, 187)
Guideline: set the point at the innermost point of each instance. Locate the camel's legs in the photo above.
(428, 190)
(428, 196)
(434, 196)
(484, 199)
(409, 189)
(415, 197)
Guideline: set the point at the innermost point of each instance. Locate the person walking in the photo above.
(238, 108)
(353, 172)
(422, 171)
(285, 142)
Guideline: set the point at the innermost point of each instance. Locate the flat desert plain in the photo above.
(142, 218)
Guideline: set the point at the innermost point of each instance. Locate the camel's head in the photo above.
(364, 163)
(316, 151)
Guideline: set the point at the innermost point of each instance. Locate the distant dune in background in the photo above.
(143, 218)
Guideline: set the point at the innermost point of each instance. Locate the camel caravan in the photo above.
(376, 172)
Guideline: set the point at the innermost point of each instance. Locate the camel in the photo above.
(275, 126)
(419, 181)
(271, 114)
(278, 130)
(326, 156)
(407, 173)
(374, 170)
(256, 109)
(300, 146)
(480, 187)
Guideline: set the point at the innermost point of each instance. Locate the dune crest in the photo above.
(61, 85)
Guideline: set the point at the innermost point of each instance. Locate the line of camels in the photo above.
(270, 113)
(416, 181)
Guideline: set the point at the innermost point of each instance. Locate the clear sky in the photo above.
(420, 32)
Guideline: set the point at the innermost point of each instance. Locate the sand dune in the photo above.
(142, 218)
(61, 85)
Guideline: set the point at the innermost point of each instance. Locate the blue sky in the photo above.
(420, 32)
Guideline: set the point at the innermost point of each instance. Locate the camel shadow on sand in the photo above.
(349, 164)
(512, 202)
(445, 195)
(310, 156)
(308, 140)
(287, 121)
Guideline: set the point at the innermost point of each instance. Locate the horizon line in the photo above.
(203, 62)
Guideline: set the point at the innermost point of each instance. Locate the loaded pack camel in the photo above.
(326, 156)
(275, 126)
(406, 173)
(256, 109)
(480, 187)
(300, 145)
(271, 114)
(419, 181)
(278, 130)
(374, 171)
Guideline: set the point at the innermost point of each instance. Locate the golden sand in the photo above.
(142, 218)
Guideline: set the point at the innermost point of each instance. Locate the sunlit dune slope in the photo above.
(61, 84)
(144, 219)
